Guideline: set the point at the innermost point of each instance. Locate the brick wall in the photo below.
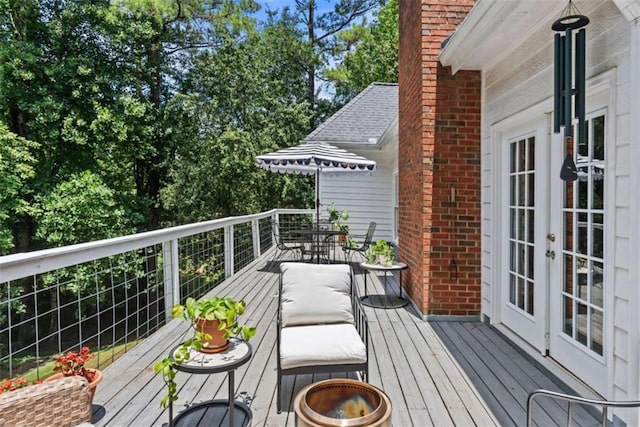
(439, 163)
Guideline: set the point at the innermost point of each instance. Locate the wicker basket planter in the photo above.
(92, 385)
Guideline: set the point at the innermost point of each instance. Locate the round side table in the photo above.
(214, 412)
(385, 300)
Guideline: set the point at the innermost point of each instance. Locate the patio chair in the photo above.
(363, 240)
(285, 243)
(321, 326)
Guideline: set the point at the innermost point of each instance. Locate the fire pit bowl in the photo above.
(342, 402)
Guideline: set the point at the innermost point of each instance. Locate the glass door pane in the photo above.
(583, 254)
(521, 223)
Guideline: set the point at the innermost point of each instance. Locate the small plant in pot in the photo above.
(337, 218)
(73, 363)
(380, 253)
(213, 321)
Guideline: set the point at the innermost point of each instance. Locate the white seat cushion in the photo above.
(335, 344)
(313, 294)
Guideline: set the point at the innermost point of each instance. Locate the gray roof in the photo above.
(363, 120)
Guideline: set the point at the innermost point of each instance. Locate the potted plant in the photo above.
(337, 218)
(213, 321)
(73, 363)
(380, 253)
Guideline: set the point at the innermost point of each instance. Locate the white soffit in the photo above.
(629, 8)
(493, 27)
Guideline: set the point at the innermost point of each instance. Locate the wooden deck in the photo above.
(435, 373)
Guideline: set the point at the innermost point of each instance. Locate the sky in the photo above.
(323, 6)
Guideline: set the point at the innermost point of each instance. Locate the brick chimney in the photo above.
(439, 164)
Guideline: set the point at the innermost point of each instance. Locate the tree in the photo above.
(16, 167)
(57, 74)
(79, 209)
(321, 36)
(371, 54)
(240, 100)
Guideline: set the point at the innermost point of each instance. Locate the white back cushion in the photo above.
(314, 294)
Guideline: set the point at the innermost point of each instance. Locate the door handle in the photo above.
(550, 254)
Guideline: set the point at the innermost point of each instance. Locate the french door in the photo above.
(552, 291)
(577, 295)
(524, 221)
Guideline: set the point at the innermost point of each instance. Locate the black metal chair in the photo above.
(364, 241)
(285, 243)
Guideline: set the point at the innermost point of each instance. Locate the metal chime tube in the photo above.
(580, 85)
(568, 84)
(558, 83)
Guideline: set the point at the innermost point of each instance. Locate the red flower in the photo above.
(14, 384)
(73, 364)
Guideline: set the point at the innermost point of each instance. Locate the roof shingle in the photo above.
(363, 120)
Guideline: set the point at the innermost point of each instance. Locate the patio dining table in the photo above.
(319, 237)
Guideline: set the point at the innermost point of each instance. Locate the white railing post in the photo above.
(255, 233)
(171, 275)
(228, 251)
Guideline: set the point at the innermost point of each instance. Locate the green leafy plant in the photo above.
(381, 253)
(338, 217)
(351, 243)
(224, 309)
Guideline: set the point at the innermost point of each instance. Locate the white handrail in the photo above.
(25, 264)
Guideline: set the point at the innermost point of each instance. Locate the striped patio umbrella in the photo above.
(314, 158)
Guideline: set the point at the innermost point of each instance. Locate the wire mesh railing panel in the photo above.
(110, 294)
(242, 246)
(291, 222)
(105, 304)
(201, 263)
(266, 234)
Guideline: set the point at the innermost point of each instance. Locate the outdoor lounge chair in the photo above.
(365, 242)
(285, 243)
(322, 327)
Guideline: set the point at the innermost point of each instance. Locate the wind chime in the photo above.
(566, 89)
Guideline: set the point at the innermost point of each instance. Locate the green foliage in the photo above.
(380, 252)
(371, 54)
(237, 103)
(79, 209)
(337, 218)
(16, 168)
(224, 309)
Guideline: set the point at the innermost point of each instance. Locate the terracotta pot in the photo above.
(217, 343)
(92, 385)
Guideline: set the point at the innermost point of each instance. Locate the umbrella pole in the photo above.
(318, 195)
(317, 238)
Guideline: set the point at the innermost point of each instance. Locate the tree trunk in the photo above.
(311, 71)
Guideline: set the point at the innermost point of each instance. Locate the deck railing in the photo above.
(110, 294)
(577, 400)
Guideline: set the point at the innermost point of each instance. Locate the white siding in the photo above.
(367, 197)
(522, 79)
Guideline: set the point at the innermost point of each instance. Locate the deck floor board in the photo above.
(435, 373)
